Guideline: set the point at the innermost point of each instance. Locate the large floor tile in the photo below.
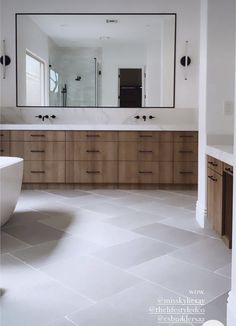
(225, 271)
(131, 200)
(170, 235)
(217, 309)
(61, 322)
(85, 200)
(182, 278)
(9, 243)
(94, 231)
(109, 208)
(35, 233)
(180, 201)
(210, 254)
(134, 252)
(91, 277)
(67, 193)
(54, 251)
(132, 220)
(110, 193)
(24, 217)
(131, 307)
(43, 302)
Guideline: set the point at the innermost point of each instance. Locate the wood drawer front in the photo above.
(4, 135)
(91, 136)
(39, 151)
(185, 152)
(185, 173)
(44, 172)
(215, 164)
(151, 136)
(37, 135)
(91, 172)
(185, 137)
(146, 151)
(87, 151)
(4, 148)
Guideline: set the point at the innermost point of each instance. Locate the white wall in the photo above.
(187, 29)
(31, 38)
(220, 67)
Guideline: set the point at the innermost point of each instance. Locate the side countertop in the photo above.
(110, 127)
(224, 153)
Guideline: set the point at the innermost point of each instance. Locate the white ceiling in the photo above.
(87, 30)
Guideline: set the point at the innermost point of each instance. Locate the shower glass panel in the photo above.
(76, 71)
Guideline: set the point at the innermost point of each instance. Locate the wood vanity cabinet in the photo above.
(44, 155)
(91, 157)
(5, 143)
(220, 198)
(105, 157)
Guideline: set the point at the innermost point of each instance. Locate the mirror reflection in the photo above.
(96, 60)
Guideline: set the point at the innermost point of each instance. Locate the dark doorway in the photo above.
(130, 88)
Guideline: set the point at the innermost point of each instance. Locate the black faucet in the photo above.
(45, 117)
(144, 117)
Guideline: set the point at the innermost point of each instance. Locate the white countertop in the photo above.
(135, 127)
(224, 153)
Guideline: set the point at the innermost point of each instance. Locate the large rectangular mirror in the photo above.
(96, 60)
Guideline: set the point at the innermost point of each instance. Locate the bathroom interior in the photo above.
(117, 159)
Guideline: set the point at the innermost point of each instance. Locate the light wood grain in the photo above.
(91, 172)
(185, 172)
(44, 172)
(4, 148)
(39, 151)
(37, 135)
(185, 137)
(215, 165)
(91, 136)
(149, 136)
(4, 135)
(185, 152)
(91, 151)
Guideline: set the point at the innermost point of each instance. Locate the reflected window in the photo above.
(53, 81)
(35, 77)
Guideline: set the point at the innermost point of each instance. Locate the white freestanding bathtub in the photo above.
(11, 174)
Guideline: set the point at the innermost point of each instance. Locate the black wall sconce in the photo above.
(5, 60)
(185, 61)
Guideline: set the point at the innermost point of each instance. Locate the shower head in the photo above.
(78, 78)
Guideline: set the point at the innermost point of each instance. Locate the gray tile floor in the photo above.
(110, 258)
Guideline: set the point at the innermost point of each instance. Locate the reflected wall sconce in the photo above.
(5, 60)
(186, 61)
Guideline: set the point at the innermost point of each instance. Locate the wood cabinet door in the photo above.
(214, 200)
(44, 172)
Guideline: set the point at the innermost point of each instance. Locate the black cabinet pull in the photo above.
(37, 135)
(93, 151)
(91, 136)
(37, 151)
(212, 178)
(186, 152)
(229, 170)
(93, 172)
(212, 163)
(145, 136)
(145, 151)
(186, 136)
(145, 172)
(1, 150)
(186, 172)
(34, 172)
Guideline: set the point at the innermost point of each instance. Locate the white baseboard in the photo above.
(231, 311)
(201, 214)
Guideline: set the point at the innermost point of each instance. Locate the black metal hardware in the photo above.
(39, 116)
(145, 172)
(2, 135)
(53, 116)
(185, 152)
(145, 151)
(186, 172)
(183, 61)
(37, 151)
(45, 117)
(151, 117)
(2, 150)
(93, 151)
(137, 117)
(93, 136)
(212, 178)
(186, 136)
(145, 136)
(93, 172)
(37, 172)
(37, 135)
(5, 60)
(144, 117)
